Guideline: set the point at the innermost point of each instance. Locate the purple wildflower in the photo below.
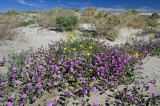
(86, 92)
(2, 61)
(2, 83)
(141, 67)
(148, 86)
(55, 101)
(39, 78)
(136, 84)
(2, 92)
(50, 104)
(84, 81)
(81, 88)
(24, 95)
(0, 98)
(27, 55)
(12, 97)
(55, 83)
(100, 88)
(58, 76)
(119, 101)
(16, 82)
(14, 75)
(39, 85)
(94, 104)
(128, 88)
(9, 103)
(154, 95)
(21, 104)
(14, 68)
(29, 84)
(94, 89)
(154, 83)
(49, 84)
(34, 97)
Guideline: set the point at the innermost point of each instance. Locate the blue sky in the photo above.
(108, 5)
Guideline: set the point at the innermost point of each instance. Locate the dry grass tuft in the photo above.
(47, 19)
(6, 27)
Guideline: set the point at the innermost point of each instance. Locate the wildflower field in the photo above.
(77, 68)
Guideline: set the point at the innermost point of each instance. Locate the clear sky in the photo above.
(108, 5)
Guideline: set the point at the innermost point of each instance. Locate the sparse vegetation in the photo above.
(67, 23)
(47, 19)
(26, 23)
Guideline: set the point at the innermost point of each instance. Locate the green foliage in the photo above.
(132, 11)
(90, 11)
(155, 15)
(74, 9)
(102, 13)
(13, 12)
(67, 23)
(24, 23)
(149, 30)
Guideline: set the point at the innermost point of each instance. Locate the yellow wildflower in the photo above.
(72, 41)
(74, 49)
(131, 34)
(80, 45)
(65, 48)
(91, 32)
(152, 36)
(67, 35)
(60, 38)
(88, 54)
(137, 54)
(90, 47)
(67, 41)
(71, 35)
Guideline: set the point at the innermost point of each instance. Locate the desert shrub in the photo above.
(47, 19)
(155, 15)
(102, 13)
(90, 11)
(113, 20)
(74, 9)
(6, 24)
(67, 23)
(26, 23)
(104, 29)
(13, 12)
(132, 11)
(87, 19)
(135, 21)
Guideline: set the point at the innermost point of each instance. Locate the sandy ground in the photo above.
(33, 36)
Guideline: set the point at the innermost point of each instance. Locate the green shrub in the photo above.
(132, 11)
(102, 13)
(155, 15)
(24, 23)
(67, 23)
(90, 11)
(74, 9)
(47, 19)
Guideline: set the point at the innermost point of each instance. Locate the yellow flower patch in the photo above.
(65, 48)
(74, 49)
(137, 54)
